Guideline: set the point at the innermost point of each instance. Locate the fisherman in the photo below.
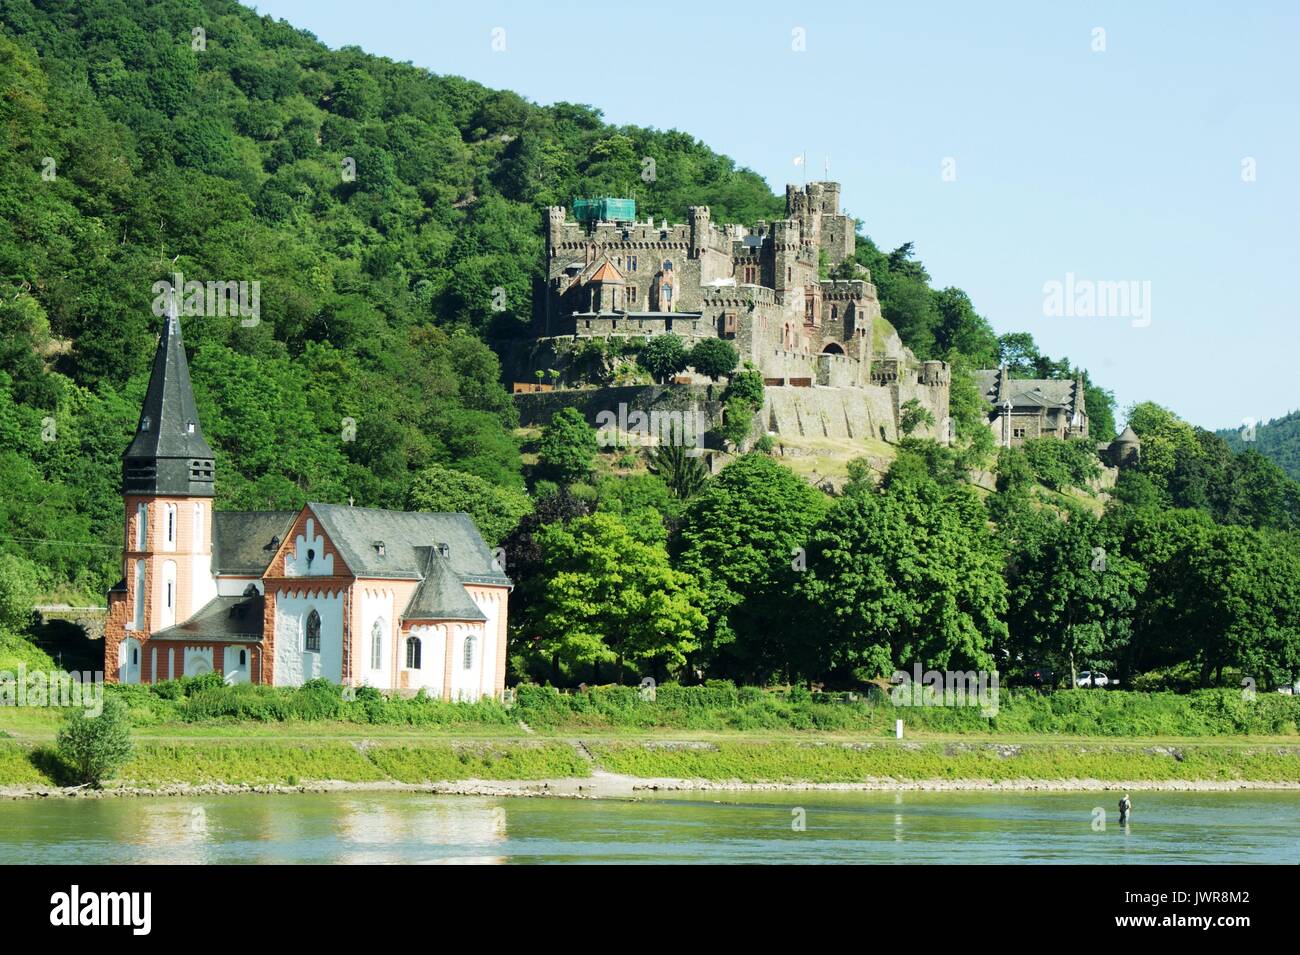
(1125, 807)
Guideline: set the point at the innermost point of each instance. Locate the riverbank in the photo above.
(623, 768)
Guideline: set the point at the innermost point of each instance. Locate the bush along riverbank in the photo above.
(622, 767)
(723, 707)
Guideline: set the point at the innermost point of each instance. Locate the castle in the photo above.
(395, 600)
(762, 288)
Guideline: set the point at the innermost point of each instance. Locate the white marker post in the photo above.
(898, 729)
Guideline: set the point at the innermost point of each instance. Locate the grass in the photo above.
(787, 762)
(419, 764)
(156, 765)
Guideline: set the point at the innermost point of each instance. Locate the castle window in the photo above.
(835, 312)
(413, 653)
(469, 653)
(377, 645)
(668, 265)
(1017, 432)
(631, 263)
(311, 641)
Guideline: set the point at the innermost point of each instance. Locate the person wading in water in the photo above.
(1125, 807)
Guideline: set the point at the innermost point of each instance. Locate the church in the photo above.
(400, 601)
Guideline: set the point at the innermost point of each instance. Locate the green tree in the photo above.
(901, 575)
(95, 747)
(682, 471)
(567, 447)
(913, 415)
(608, 597)
(496, 510)
(714, 357)
(663, 356)
(739, 539)
(1072, 592)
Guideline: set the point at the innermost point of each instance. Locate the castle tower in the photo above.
(167, 490)
(699, 229)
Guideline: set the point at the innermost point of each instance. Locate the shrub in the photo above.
(94, 747)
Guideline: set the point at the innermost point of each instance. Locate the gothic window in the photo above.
(631, 263)
(377, 645)
(312, 642)
(169, 594)
(413, 653)
(141, 526)
(169, 516)
(243, 658)
(469, 653)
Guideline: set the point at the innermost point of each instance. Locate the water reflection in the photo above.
(386, 827)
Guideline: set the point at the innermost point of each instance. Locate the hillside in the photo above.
(1278, 440)
(129, 154)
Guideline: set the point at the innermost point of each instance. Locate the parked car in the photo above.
(1091, 678)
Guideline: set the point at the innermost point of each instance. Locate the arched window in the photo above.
(413, 653)
(139, 595)
(198, 527)
(243, 658)
(312, 637)
(169, 594)
(169, 529)
(377, 645)
(469, 652)
(141, 526)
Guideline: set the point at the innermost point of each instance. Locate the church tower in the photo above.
(167, 488)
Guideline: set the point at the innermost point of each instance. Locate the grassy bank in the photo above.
(264, 762)
(784, 762)
(190, 707)
(259, 763)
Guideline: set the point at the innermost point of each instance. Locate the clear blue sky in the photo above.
(1117, 165)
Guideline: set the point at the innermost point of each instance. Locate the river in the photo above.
(802, 827)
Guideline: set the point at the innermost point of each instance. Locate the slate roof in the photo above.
(237, 619)
(355, 531)
(242, 540)
(1026, 392)
(440, 596)
(168, 454)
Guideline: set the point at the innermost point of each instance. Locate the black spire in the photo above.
(168, 455)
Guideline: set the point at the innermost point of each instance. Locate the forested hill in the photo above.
(1278, 440)
(379, 206)
(131, 148)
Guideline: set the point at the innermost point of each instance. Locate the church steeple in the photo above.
(168, 455)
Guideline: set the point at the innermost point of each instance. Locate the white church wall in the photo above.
(294, 663)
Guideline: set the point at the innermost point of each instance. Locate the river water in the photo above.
(803, 827)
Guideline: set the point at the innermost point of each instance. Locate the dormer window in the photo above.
(444, 550)
(146, 423)
(189, 427)
(379, 548)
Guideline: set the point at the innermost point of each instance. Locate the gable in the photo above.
(308, 551)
